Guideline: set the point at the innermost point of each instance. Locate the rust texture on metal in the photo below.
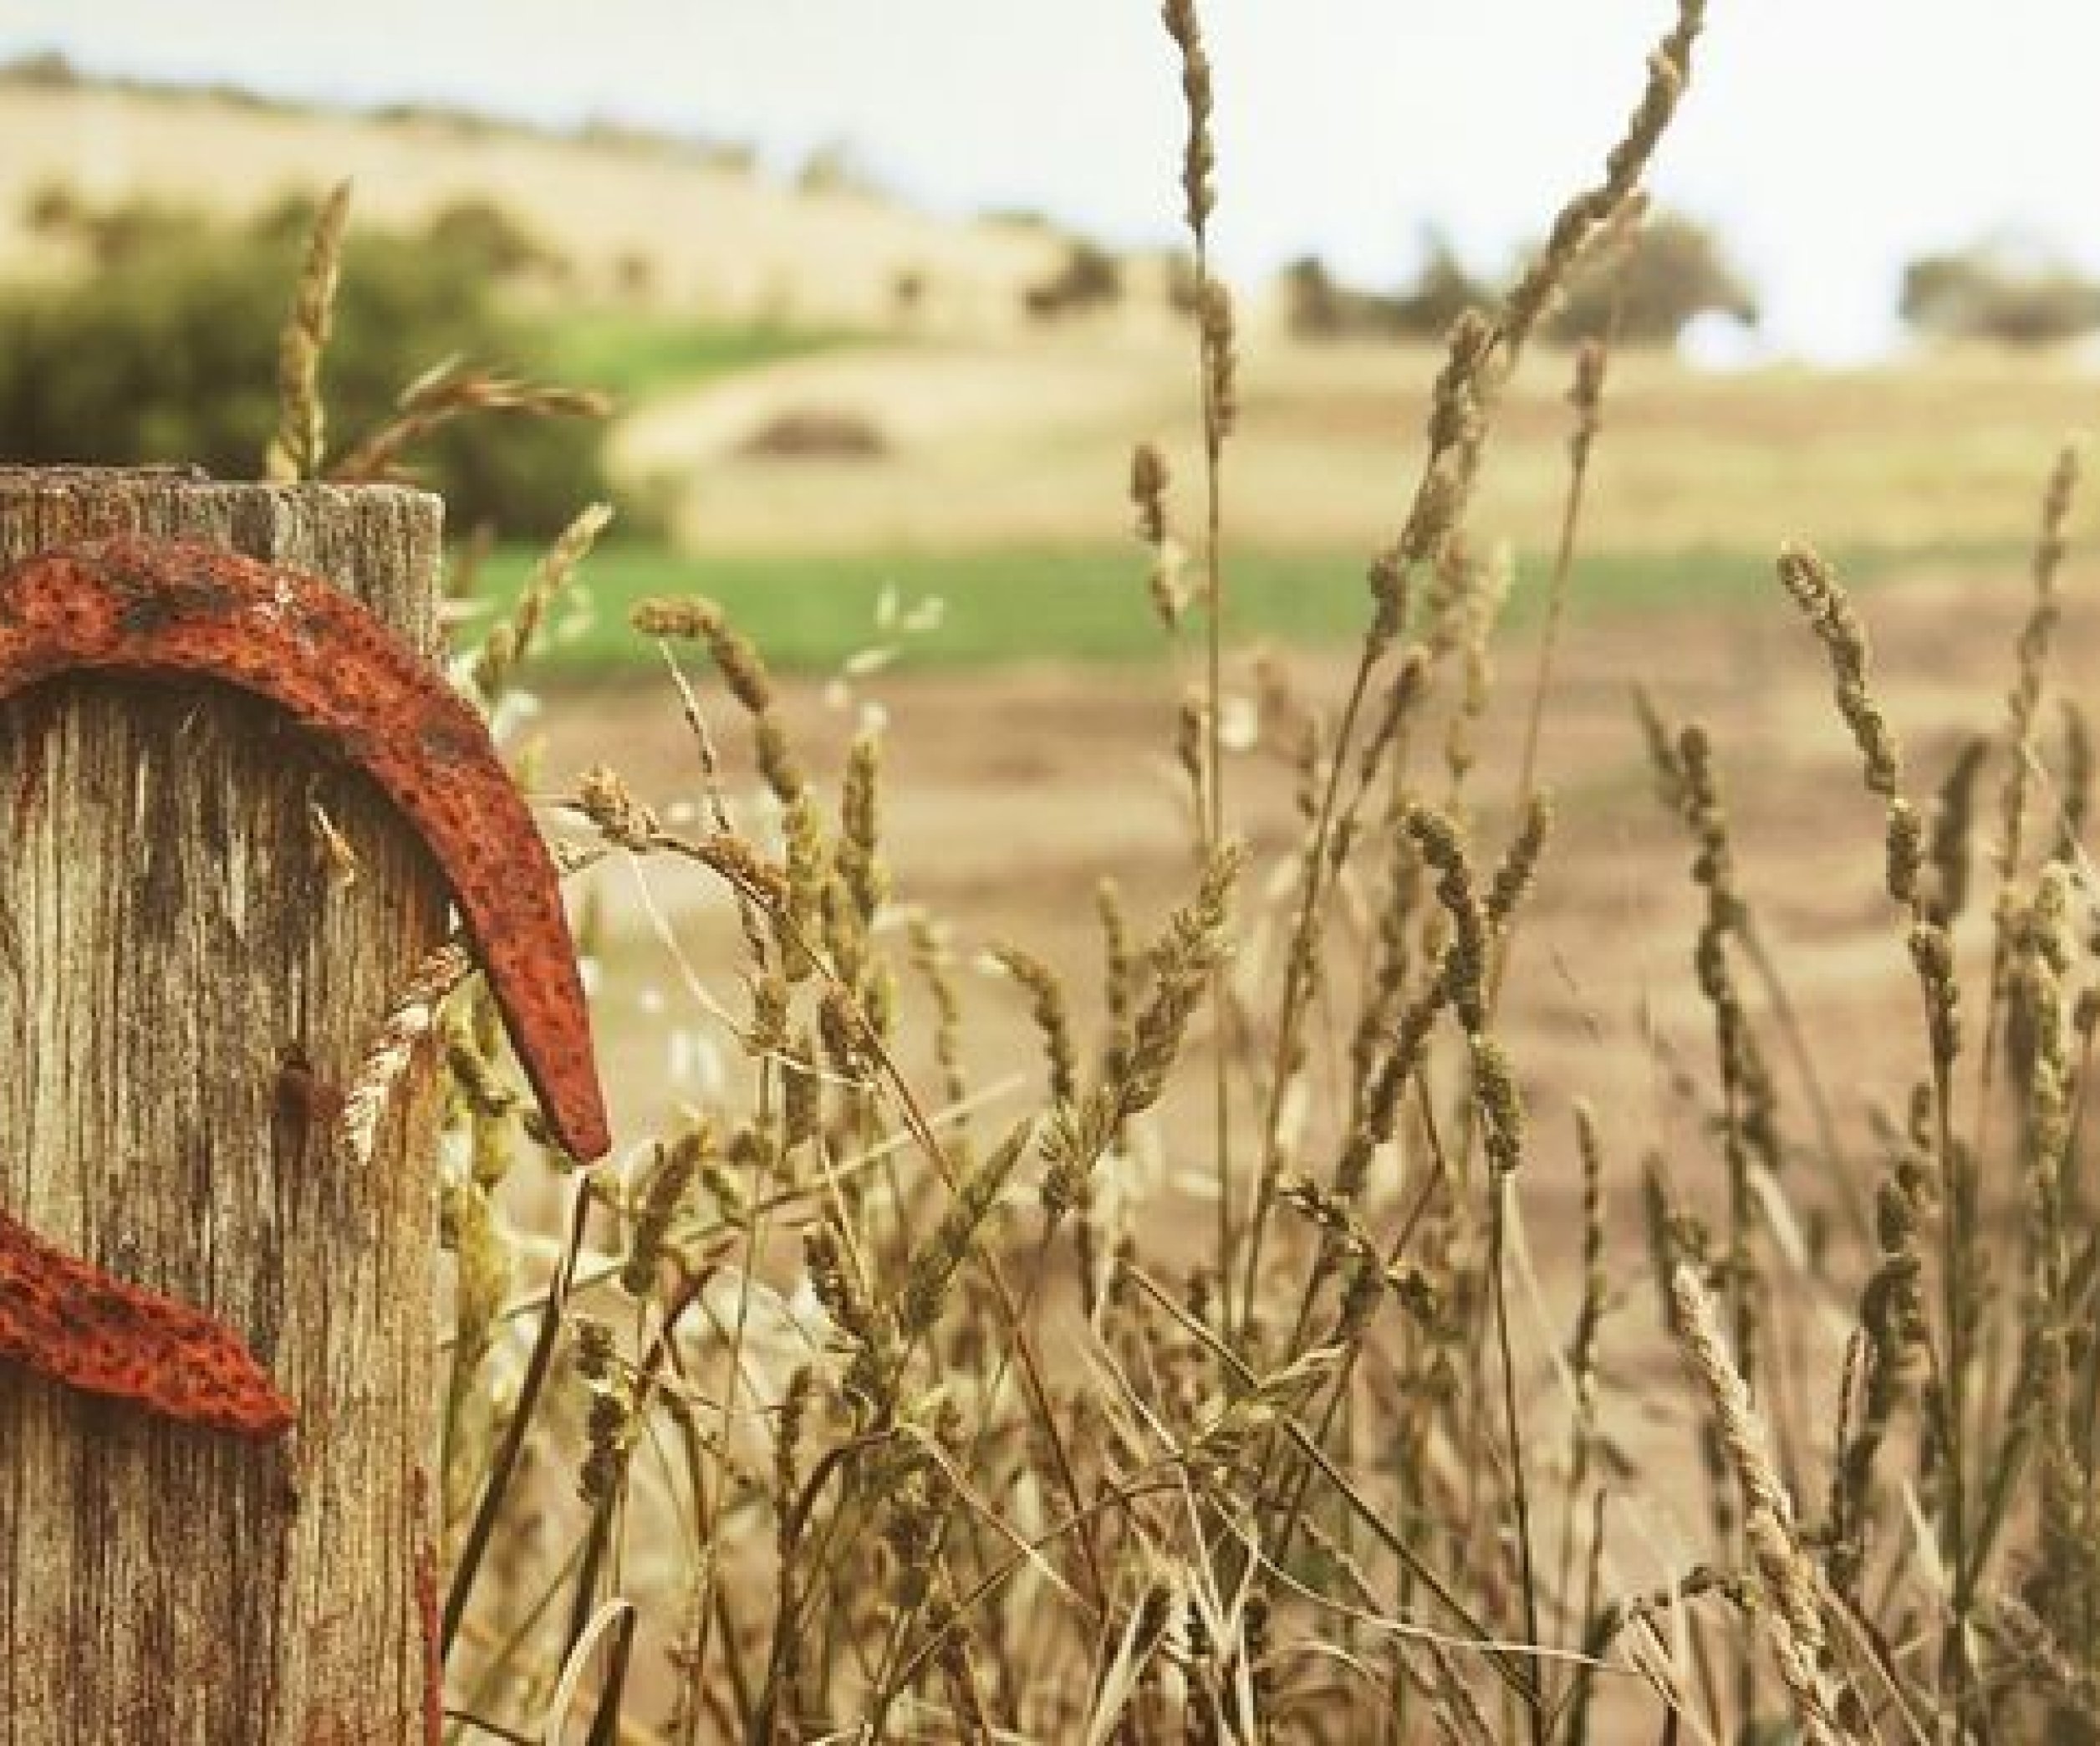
(176, 609)
(73, 1322)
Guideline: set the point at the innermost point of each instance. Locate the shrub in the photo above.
(1645, 294)
(1089, 279)
(48, 70)
(1993, 292)
(472, 230)
(1183, 283)
(1317, 306)
(1313, 303)
(52, 208)
(1673, 271)
(1442, 291)
(168, 353)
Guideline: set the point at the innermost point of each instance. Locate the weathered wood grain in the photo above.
(184, 989)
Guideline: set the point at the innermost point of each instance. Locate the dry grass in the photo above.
(1023, 442)
(1191, 1376)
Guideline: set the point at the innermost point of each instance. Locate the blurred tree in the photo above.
(1647, 290)
(473, 228)
(1317, 306)
(167, 351)
(1314, 307)
(53, 208)
(1443, 290)
(284, 222)
(49, 70)
(1090, 277)
(1184, 287)
(109, 235)
(1998, 291)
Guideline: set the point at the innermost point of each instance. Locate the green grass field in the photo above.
(814, 612)
(633, 355)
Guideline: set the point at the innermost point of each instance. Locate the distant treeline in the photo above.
(1650, 288)
(1644, 287)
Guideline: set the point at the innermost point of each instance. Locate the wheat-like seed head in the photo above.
(1796, 1617)
(1815, 589)
(296, 451)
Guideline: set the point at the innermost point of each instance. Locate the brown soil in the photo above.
(1011, 796)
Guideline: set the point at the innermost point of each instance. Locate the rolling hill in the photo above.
(687, 226)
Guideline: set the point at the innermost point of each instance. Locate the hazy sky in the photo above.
(1830, 140)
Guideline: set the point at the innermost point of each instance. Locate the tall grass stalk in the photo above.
(1480, 355)
(1217, 369)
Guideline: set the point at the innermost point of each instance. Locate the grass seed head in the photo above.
(1816, 590)
(1199, 157)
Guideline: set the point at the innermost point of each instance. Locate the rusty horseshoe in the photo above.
(181, 610)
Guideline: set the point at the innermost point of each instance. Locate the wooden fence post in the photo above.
(186, 982)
